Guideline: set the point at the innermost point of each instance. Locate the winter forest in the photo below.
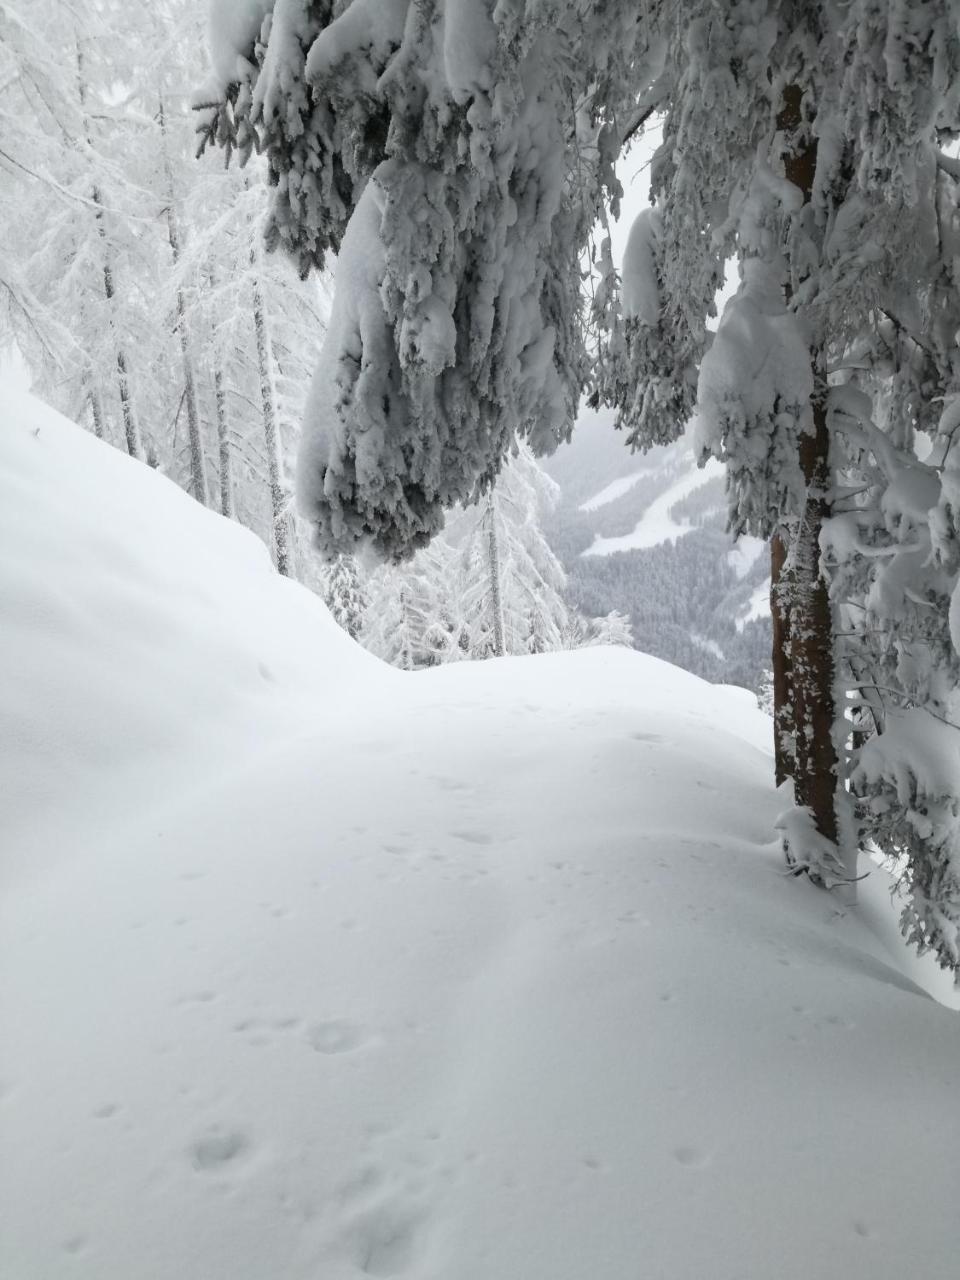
(480, 635)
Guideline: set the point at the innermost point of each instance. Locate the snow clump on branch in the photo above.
(430, 145)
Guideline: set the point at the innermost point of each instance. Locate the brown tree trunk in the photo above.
(783, 725)
(801, 588)
(815, 775)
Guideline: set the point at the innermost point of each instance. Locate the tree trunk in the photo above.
(496, 597)
(270, 427)
(96, 407)
(227, 506)
(801, 587)
(783, 723)
(130, 424)
(811, 640)
(198, 475)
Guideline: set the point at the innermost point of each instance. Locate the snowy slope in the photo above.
(137, 626)
(485, 973)
(615, 489)
(657, 525)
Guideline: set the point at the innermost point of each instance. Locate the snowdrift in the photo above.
(484, 973)
(135, 626)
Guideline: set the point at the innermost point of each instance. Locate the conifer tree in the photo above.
(457, 156)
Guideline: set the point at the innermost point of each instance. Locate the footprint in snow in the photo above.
(337, 1036)
(691, 1157)
(217, 1148)
(473, 837)
(385, 1241)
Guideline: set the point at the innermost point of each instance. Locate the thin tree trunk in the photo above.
(270, 428)
(801, 585)
(198, 474)
(130, 424)
(227, 506)
(496, 596)
(96, 407)
(783, 723)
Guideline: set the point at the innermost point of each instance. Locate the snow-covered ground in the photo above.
(316, 970)
(657, 525)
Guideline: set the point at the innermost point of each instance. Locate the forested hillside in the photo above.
(688, 596)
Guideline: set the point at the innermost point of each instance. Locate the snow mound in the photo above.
(486, 971)
(135, 624)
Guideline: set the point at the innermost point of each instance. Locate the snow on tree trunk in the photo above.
(271, 431)
(803, 585)
(198, 474)
(227, 507)
(96, 410)
(493, 565)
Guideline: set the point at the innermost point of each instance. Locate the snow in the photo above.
(641, 297)
(487, 971)
(134, 628)
(708, 645)
(232, 27)
(758, 606)
(657, 525)
(744, 554)
(614, 490)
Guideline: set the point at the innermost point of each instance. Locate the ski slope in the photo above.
(614, 490)
(318, 970)
(657, 525)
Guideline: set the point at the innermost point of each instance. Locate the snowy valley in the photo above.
(317, 968)
(644, 534)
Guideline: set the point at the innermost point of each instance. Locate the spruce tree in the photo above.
(457, 158)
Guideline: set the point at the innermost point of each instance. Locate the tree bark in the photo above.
(783, 722)
(802, 597)
(227, 505)
(96, 407)
(270, 427)
(496, 596)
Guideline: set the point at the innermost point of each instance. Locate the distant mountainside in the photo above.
(644, 534)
